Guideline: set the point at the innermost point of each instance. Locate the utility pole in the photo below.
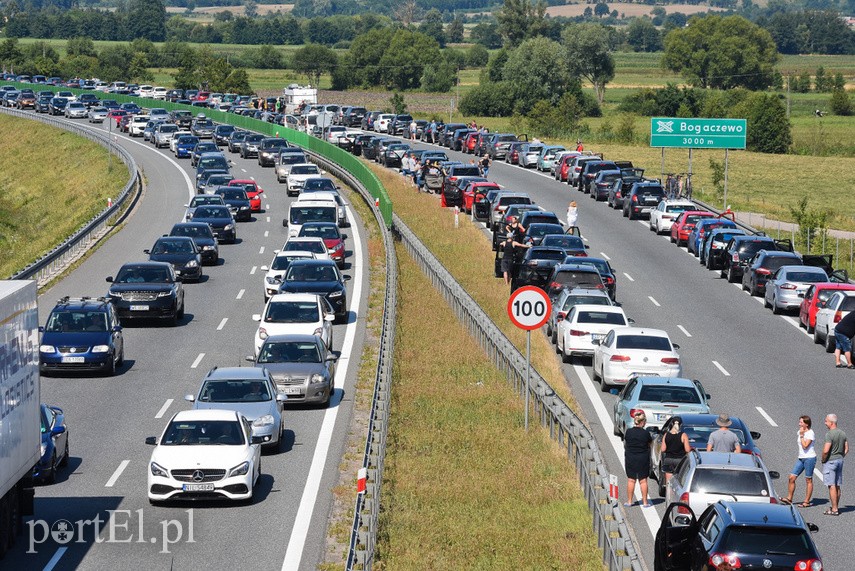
(788, 95)
(457, 97)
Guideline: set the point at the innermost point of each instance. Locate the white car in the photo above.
(204, 453)
(146, 91)
(158, 114)
(325, 195)
(277, 268)
(76, 110)
(839, 304)
(583, 325)
(67, 95)
(137, 125)
(633, 351)
(666, 213)
(159, 93)
(295, 313)
(173, 142)
(298, 175)
(381, 125)
(335, 133)
(308, 244)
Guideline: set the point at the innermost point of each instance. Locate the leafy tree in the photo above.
(520, 19)
(839, 82)
(432, 26)
(487, 34)
(454, 31)
(643, 36)
(80, 46)
(489, 99)
(250, 8)
(403, 61)
(840, 102)
(313, 60)
(10, 53)
(601, 9)
(477, 56)
(264, 57)
(496, 66)
(722, 53)
(398, 105)
(821, 81)
(768, 126)
(658, 14)
(146, 19)
(40, 49)
(365, 54)
(531, 83)
(588, 55)
(802, 83)
(549, 120)
(439, 77)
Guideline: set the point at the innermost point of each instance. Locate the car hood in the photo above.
(311, 287)
(77, 339)
(251, 410)
(280, 370)
(142, 286)
(215, 222)
(179, 258)
(199, 456)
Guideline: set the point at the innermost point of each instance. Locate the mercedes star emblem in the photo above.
(198, 476)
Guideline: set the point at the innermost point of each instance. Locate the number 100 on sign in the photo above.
(529, 308)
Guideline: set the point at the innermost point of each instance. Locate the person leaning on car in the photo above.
(843, 333)
(723, 440)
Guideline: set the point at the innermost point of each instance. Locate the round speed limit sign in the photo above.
(529, 308)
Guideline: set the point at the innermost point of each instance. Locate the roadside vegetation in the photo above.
(51, 183)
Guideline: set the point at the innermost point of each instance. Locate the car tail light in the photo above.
(735, 258)
(763, 272)
(725, 561)
(808, 565)
(838, 315)
(577, 169)
(671, 360)
(578, 333)
(773, 500)
(684, 498)
(609, 281)
(788, 286)
(620, 358)
(635, 198)
(555, 285)
(617, 194)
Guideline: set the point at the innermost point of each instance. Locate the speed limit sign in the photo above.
(529, 308)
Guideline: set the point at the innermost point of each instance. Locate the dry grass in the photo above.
(51, 183)
(456, 493)
(630, 10)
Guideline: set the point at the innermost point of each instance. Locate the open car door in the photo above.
(785, 245)
(573, 231)
(673, 544)
(824, 261)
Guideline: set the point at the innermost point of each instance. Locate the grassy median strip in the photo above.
(466, 487)
(51, 183)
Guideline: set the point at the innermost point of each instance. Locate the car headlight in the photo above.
(207, 248)
(228, 227)
(164, 293)
(263, 421)
(43, 448)
(262, 333)
(47, 349)
(244, 207)
(101, 349)
(336, 293)
(316, 379)
(158, 470)
(192, 264)
(273, 280)
(239, 470)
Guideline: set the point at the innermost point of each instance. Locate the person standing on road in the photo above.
(484, 164)
(833, 452)
(843, 333)
(723, 440)
(413, 128)
(432, 131)
(675, 446)
(637, 459)
(806, 463)
(509, 252)
(572, 214)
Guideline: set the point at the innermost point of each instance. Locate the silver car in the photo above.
(76, 110)
(529, 154)
(163, 134)
(248, 391)
(97, 114)
(565, 302)
(788, 284)
(659, 398)
(301, 365)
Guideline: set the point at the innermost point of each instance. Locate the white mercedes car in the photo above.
(295, 313)
(204, 454)
(666, 213)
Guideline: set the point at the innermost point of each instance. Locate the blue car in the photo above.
(701, 229)
(54, 445)
(82, 335)
(185, 145)
(714, 244)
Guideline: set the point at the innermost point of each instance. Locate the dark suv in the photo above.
(353, 116)
(589, 173)
(269, 149)
(82, 334)
(763, 265)
(147, 290)
(497, 144)
(400, 125)
(642, 198)
(741, 249)
(573, 275)
(735, 535)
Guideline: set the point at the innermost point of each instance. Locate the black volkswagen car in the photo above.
(237, 201)
(181, 252)
(203, 236)
(220, 219)
(147, 290)
(321, 277)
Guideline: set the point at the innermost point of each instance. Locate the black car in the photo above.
(367, 123)
(89, 99)
(607, 273)
(353, 116)
(182, 253)
(43, 104)
(741, 249)
(714, 258)
(201, 148)
(57, 105)
(628, 177)
(269, 149)
(603, 183)
(400, 125)
(147, 290)
(249, 145)
(536, 266)
(735, 535)
(762, 266)
(534, 233)
(449, 134)
(221, 221)
(237, 201)
(369, 148)
(82, 334)
(201, 233)
(321, 277)
(211, 161)
(573, 275)
(235, 140)
(642, 198)
(222, 133)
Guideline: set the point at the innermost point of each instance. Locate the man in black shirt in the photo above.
(843, 333)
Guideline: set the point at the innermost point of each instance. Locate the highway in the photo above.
(757, 366)
(101, 496)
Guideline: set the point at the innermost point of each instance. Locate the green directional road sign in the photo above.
(698, 133)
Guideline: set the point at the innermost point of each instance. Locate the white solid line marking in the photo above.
(643, 223)
(222, 324)
(683, 329)
(737, 286)
(603, 254)
(164, 408)
(252, 271)
(300, 530)
(240, 294)
(266, 233)
(760, 299)
(656, 303)
(629, 277)
(795, 323)
(117, 473)
(720, 368)
(55, 559)
(766, 416)
(197, 360)
(261, 250)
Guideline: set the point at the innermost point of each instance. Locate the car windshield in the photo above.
(319, 184)
(807, 277)
(211, 212)
(292, 312)
(202, 199)
(192, 231)
(212, 163)
(304, 214)
(572, 300)
(236, 194)
(537, 230)
(768, 541)
(203, 432)
(314, 246)
(139, 274)
(563, 241)
(282, 262)
(311, 273)
(775, 262)
(168, 128)
(601, 317)
(683, 395)
(754, 246)
(304, 169)
(581, 279)
(730, 482)
(187, 140)
(546, 254)
(254, 138)
(699, 435)
(172, 247)
(206, 147)
(600, 265)
(217, 390)
(320, 231)
(289, 352)
(77, 321)
(647, 342)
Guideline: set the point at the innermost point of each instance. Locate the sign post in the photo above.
(529, 308)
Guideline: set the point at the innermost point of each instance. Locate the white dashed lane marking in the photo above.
(222, 324)
(112, 481)
(240, 294)
(683, 329)
(261, 250)
(197, 360)
(720, 368)
(267, 233)
(164, 408)
(765, 415)
(268, 208)
(253, 270)
(605, 257)
(629, 277)
(656, 303)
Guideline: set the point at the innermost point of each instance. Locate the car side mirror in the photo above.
(813, 527)
(331, 358)
(117, 328)
(186, 206)
(676, 347)
(190, 398)
(151, 440)
(256, 317)
(147, 252)
(707, 396)
(346, 278)
(249, 358)
(774, 475)
(344, 236)
(587, 247)
(265, 268)
(630, 321)
(754, 435)
(285, 222)
(109, 279)
(57, 430)
(802, 294)
(596, 341)
(683, 520)
(281, 397)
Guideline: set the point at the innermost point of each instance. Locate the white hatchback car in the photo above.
(277, 268)
(836, 308)
(666, 212)
(308, 244)
(204, 454)
(381, 125)
(583, 325)
(295, 313)
(636, 351)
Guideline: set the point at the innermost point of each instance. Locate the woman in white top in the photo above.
(806, 463)
(572, 215)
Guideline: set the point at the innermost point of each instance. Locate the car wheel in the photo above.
(111, 368)
(64, 462)
(809, 328)
(616, 431)
(51, 475)
(549, 329)
(594, 374)
(604, 387)
(816, 338)
(565, 357)
(730, 277)
(830, 343)
(121, 360)
(765, 302)
(660, 485)
(625, 214)
(775, 309)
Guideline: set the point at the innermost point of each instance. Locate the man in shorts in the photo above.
(843, 333)
(835, 449)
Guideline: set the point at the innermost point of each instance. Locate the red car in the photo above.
(475, 191)
(814, 300)
(253, 192)
(471, 142)
(202, 96)
(331, 235)
(562, 170)
(116, 115)
(684, 225)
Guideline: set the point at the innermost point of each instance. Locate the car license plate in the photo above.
(73, 360)
(662, 417)
(198, 487)
(597, 336)
(293, 390)
(139, 308)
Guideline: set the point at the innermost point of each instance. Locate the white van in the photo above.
(302, 211)
(327, 196)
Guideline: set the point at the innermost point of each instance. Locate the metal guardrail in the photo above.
(52, 263)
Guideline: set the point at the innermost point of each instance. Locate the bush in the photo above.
(768, 126)
(490, 99)
(477, 56)
(840, 102)
(439, 78)
(625, 132)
